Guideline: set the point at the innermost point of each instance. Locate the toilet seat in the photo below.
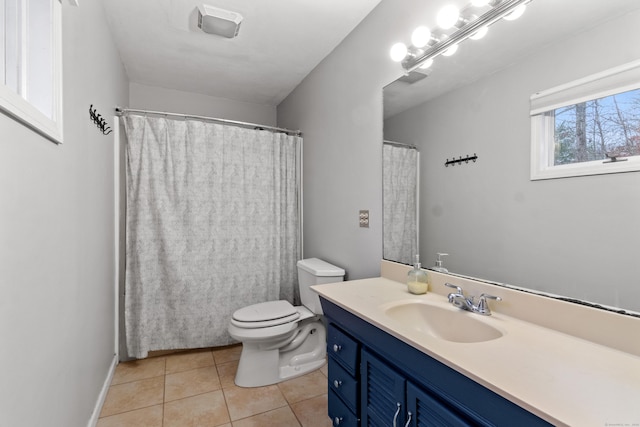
(265, 314)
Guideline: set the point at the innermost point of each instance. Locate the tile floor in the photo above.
(196, 389)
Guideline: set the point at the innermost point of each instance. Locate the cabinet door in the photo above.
(427, 411)
(382, 393)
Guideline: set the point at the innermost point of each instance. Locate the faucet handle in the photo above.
(458, 288)
(483, 307)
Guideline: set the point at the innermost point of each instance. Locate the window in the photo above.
(587, 127)
(30, 64)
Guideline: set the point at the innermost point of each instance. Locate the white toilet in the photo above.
(280, 341)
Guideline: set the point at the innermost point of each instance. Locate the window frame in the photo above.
(17, 107)
(609, 82)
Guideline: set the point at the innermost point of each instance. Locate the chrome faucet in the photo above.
(459, 300)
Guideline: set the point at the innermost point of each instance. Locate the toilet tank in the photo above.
(314, 271)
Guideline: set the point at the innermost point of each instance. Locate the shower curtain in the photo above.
(212, 226)
(399, 189)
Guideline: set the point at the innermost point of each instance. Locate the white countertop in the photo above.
(563, 379)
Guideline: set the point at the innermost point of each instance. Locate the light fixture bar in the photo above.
(486, 19)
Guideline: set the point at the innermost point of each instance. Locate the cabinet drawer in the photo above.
(343, 384)
(343, 348)
(339, 413)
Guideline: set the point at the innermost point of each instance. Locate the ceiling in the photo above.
(279, 43)
(543, 22)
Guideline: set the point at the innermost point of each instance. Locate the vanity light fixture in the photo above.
(517, 13)
(420, 37)
(448, 16)
(426, 46)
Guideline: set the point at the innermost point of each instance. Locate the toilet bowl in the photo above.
(280, 341)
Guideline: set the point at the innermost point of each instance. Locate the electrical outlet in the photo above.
(364, 219)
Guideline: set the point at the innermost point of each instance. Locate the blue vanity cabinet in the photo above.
(390, 372)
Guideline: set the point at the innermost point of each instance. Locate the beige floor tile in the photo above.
(245, 402)
(186, 361)
(281, 417)
(203, 410)
(227, 373)
(189, 383)
(138, 370)
(305, 387)
(134, 395)
(325, 370)
(227, 354)
(146, 417)
(312, 412)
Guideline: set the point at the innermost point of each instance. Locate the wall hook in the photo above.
(461, 159)
(99, 121)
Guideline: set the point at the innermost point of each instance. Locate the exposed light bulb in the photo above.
(421, 36)
(517, 13)
(479, 3)
(448, 16)
(453, 49)
(398, 52)
(426, 64)
(480, 33)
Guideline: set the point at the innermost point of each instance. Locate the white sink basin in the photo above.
(450, 324)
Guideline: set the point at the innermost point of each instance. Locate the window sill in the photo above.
(632, 164)
(17, 108)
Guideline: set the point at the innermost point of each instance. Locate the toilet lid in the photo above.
(265, 314)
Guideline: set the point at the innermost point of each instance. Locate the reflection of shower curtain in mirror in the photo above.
(400, 181)
(212, 226)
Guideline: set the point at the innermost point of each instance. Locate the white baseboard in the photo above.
(93, 421)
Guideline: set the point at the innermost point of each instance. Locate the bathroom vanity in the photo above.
(397, 359)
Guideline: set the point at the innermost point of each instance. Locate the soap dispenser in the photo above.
(417, 279)
(439, 266)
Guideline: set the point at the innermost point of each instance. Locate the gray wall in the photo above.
(175, 101)
(338, 106)
(57, 241)
(574, 236)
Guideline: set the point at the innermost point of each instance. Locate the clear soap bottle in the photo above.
(417, 279)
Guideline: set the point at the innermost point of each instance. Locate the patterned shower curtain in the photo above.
(212, 226)
(399, 190)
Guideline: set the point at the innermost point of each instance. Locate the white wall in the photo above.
(338, 106)
(574, 236)
(174, 101)
(57, 241)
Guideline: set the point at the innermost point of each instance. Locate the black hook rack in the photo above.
(99, 121)
(466, 159)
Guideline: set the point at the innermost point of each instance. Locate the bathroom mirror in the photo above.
(573, 237)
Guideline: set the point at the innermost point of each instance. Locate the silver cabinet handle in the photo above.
(395, 417)
(336, 348)
(337, 421)
(337, 383)
(408, 420)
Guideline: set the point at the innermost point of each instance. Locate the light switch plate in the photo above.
(364, 219)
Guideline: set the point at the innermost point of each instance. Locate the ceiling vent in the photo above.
(213, 20)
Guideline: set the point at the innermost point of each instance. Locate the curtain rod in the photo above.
(400, 144)
(124, 111)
